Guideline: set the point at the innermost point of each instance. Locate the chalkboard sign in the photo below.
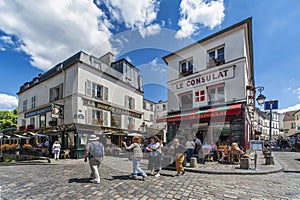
(256, 145)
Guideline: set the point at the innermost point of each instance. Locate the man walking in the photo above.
(95, 152)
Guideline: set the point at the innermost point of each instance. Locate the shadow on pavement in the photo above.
(79, 180)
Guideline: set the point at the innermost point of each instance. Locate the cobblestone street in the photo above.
(67, 179)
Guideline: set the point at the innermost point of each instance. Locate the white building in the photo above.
(262, 127)
(207, 83)
(82, 95)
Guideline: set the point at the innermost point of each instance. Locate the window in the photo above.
(24, 105)
(99, 117)
(33, 102)
(151, 117)
(186, 67)
(144, 105)
(130, 123)
(216, 94)
(23, 122)
(164, 107)
(56, 93)
(199, 96)
(42, 121)
(186, 100)
(116, 120)
(216, 57)
(129, 102)
(293, 125)
(32, 121)
(99, 92)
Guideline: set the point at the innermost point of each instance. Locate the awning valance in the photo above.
(201, 114)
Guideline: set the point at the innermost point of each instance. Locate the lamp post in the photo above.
(261, 100)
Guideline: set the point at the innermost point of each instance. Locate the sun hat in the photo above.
(93, 138)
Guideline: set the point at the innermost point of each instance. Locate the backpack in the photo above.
(97, 151)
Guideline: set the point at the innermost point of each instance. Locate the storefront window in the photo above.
(70, 139)
(42, 121)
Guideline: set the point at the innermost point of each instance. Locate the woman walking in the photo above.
(56, 150)
(135, 147)
(179, 156)
(155, 155)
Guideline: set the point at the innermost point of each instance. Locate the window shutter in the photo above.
(89, 116)
(105, 118)
(133, 103)
(105, 94)
(126, 101)
(88, 88)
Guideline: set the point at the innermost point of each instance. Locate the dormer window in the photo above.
(186, 67)
(216, 57)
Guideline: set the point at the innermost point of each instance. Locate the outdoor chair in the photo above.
(206, 154)
(65, 154)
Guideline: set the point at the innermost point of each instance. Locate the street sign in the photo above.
(256, 145)
(271, 105)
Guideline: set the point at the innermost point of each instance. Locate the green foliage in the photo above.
(8, 118)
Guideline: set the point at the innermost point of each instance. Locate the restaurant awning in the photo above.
(21, 136)
(201, 114)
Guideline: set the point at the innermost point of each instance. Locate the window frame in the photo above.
(216, 87)
(218, 58)
(189, 67)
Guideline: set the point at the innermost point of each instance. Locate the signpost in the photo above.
(270, 105)
(256, 145)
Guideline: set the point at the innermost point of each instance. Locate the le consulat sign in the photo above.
(205, 78)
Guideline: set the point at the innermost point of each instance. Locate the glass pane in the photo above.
(212, 55)
(221, 54)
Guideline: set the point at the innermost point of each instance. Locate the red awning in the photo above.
(201, 114)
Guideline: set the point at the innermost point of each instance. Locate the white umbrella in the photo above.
(134, 134)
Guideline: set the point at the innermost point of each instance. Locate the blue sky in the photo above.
(36, 35)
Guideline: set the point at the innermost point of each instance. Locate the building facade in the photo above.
(82, 95)
(207, 83)
(289, 123)
(262, 127)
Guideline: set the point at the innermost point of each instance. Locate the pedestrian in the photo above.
(56, 150)
(137, 155)
(95, 152)
(179, 156)
(155, 155)
(190, 147)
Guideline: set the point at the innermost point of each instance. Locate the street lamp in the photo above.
(261, 98)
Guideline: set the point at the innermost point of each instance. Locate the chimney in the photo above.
(108, 58)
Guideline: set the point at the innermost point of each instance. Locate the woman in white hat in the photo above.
(95, 152)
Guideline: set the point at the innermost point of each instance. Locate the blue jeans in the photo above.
(189, 153)
(137, 169)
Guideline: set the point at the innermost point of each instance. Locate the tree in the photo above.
(8, 118)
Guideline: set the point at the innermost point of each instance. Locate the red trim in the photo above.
(232, 110)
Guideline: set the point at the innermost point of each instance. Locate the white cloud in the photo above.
(8, 102)
(152, 29)
(6, 39)
(135, 14)
(199, 12)
(155, 67)
(51, 31)
(291, 108)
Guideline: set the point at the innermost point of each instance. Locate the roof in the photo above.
(289, 116)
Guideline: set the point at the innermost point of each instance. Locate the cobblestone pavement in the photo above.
(67, 179)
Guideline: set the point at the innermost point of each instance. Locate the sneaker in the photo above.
(132, 177)
(94, 181)
(157, 175)
(182, 173)
(152, 173)
(178, 174)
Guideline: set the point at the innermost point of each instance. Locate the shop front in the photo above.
(224, 124)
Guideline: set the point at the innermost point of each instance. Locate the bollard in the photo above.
(193, 162)
(244, 164)
(269, 160)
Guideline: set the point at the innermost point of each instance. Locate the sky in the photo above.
(37, 35)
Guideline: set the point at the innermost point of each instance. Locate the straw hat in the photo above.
(93, 138)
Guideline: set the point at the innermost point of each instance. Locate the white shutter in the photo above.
(105, 94)
(133, 103)
(89, 116)
(88, 87)
(105, 118)
(126, 101)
